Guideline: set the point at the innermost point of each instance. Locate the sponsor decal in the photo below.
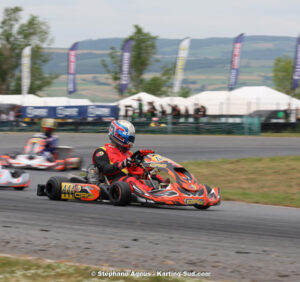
(93, 111)
(100, 154)
(63, 111)
(194, 201)
(157, 165)
(31, 112)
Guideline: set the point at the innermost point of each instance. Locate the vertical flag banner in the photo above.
(235, 64)
(125, 66)
(181, 59)
(296, 74)
(26, 69)
(72, 68)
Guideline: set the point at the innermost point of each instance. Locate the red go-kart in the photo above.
(183, 189)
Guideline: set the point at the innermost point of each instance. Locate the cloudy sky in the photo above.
(76, 20)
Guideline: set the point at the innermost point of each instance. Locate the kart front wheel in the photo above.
(120, 194)
(53, 187)
(200, 207)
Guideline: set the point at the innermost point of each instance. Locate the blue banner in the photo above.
(235, 62)
(72, 112)
(125, 66)
(72, 68)
(296, 74)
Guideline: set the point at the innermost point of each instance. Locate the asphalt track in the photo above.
(234, 241)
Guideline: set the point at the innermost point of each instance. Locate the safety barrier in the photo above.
(240, 126)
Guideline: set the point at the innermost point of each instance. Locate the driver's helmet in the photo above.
(48, 125)
(122, 134)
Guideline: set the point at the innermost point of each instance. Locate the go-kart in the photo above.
(182, 190)
(33, 158)
(18, 179)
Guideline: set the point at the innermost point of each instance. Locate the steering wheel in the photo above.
(139, 155)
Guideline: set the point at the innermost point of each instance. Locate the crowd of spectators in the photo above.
(151, 111)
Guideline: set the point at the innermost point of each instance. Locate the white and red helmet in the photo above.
(122, 133)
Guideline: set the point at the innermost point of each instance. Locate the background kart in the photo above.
(18, 179)
(32, 158)
(184, 189)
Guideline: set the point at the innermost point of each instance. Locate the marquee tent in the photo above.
(265, 98)
(33, 100)
(244, 100)
(28, 100)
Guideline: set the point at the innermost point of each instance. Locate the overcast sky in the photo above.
(76, 20)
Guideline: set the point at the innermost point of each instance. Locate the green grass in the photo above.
(25, 269)
(272, 181)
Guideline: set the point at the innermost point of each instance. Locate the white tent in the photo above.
(133, 102)
(33, 100)
(28, 100)
(265, 98)
(244, 100)
(64, 101)
(219, 103)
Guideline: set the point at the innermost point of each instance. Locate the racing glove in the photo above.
(126, 163)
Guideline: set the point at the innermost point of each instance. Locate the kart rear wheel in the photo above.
(53, 187)
(120, 194)
(200, 207)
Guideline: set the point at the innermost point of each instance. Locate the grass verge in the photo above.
(273, 181)
(28, 269)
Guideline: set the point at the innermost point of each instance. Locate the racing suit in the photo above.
(108, 159)
(51, 142)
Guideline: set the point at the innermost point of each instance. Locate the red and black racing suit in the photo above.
(108, 158)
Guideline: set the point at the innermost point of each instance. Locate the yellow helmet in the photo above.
(48, 124)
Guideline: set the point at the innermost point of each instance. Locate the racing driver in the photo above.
(48, 126)
(114, 158)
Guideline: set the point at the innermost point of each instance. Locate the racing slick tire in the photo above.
(120, 194)
(53, 187)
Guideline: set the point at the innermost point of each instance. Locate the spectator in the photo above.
(11, 115)
(196, 112)
(186, 114)
(3, 116)
(127, 111)
(140, 107)
(202, 111)
(297, 115)
(151, 112)
(163, 112)
(176, 113)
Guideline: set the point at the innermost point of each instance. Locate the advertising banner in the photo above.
(296, 74)
(125, 66)
(26, 70)
(235, 62)
(72, 68)
(183, 51)
(71, 112)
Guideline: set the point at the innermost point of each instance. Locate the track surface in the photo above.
(233, 241)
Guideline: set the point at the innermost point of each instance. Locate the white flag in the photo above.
(26, 68)
(181, 58)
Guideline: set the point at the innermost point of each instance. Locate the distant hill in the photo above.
(207, 66)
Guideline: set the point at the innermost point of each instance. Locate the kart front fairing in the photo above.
(184, 188)
(9, 178)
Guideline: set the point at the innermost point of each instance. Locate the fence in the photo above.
(234, 126)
